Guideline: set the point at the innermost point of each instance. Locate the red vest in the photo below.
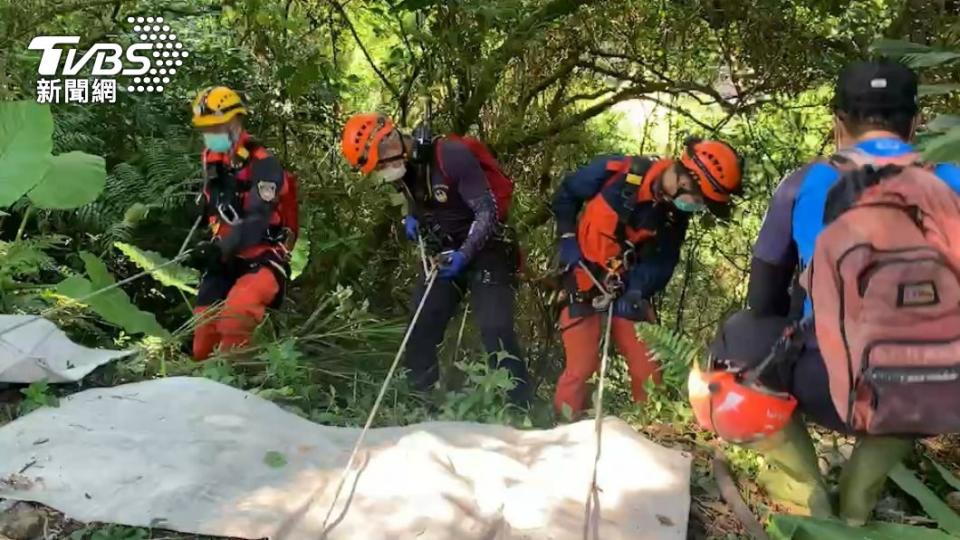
(600, 232)
(228, 199)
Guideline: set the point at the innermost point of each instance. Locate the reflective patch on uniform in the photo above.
(267, 191)
(634, 179)
(440, 193)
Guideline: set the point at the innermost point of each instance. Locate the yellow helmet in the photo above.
(216, 105)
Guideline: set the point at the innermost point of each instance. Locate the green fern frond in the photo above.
(73, 130)
(669, 347)
(28, 257)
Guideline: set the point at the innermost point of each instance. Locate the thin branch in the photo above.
(683, 112)
(535, 136)
(404, 98)
(402, 32)
(587, 96)
(511, 47)
(565, 69)
(615, 56)
(31, 25)
(353, 30)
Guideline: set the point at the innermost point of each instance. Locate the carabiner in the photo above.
(601, 302)
(233, 218)
(613, 283)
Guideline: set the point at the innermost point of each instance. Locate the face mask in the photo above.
(689, 207)
(218, 142)
(392, 174)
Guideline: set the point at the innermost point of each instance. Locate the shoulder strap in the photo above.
(439, 154)
(632, 174)
(636, 169)
(854, 158)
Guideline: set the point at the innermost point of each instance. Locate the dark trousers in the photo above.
(491, 280)
(810, 384)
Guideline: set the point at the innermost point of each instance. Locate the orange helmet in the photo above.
(361, 140)
(736, 410)
(716, 167)
(750, 355)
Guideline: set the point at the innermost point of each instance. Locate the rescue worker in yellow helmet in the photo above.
(249, 202)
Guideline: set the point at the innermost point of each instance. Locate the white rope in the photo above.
(186, 241)
(431, 278)
(463, 324)
(50, 311)
(592, 507)
(423, 255)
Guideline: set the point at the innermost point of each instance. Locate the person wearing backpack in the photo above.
(623, 247)
(458, 199)
(867, 242)
(249, 203)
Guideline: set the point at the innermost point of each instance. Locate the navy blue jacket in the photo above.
(794, 220)
(668, 225)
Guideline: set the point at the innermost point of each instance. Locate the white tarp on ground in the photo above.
(33, 349)
(190, 454)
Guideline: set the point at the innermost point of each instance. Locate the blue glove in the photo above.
(410, 224)
(632, 306)
(569, 252)
(451, 264)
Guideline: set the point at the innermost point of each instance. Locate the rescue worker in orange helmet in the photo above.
(249, 203)
(623, 248)
(458, 198)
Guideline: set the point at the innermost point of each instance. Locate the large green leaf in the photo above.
(26, 140)
(938, 89)
(945, 147)
(947, 476)
(784, 527)
(897, 48)
(300, 256)
(930, 59)
(931, 503)
(113, 305)
(944, 122)
(174, 275)
(73, 180)
(913, 54)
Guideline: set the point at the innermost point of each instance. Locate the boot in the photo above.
(794, 476)
(862, 478)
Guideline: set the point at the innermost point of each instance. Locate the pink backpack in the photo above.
(885, 287)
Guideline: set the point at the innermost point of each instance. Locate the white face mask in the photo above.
(392, 174)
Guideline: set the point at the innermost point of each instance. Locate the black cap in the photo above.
(882, 87)
(746, 339)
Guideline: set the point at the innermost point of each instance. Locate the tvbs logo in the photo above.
(147, 64)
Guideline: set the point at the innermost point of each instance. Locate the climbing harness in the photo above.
(50, 311)
(611, 287)
(431, 279)
(592, 506)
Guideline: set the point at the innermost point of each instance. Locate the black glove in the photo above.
(206, 256)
